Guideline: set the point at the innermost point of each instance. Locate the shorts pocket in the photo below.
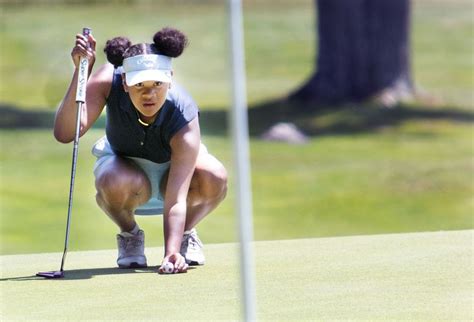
(102, 148)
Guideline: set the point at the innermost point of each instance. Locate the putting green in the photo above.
(418, 276)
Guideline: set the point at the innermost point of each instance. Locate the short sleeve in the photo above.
(178, 111)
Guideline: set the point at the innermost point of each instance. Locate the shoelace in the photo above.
(130, 242)
(194, 240)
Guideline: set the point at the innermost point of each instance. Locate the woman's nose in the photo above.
(148, 93)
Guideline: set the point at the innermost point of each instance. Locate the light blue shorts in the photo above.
(154, 172)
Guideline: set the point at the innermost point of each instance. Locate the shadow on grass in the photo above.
(333, 120)
(12, 117)
(314, 120)
(88, 273)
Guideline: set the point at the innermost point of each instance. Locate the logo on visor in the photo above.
(148, 63)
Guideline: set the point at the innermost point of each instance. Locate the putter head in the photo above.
(52, 274)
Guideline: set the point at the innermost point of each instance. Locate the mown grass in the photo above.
(363, 171)
(397, 277)
(417, 178)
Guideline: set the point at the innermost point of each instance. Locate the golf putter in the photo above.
(80, 100)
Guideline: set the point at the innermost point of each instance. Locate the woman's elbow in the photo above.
(61, 137)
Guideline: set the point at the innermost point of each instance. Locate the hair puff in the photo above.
(114, 49)
(170, 42)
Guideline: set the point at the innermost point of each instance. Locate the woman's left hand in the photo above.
(175, 261)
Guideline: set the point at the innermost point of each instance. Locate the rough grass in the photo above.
(279, 40)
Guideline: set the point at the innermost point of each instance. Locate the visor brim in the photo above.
(133, 78)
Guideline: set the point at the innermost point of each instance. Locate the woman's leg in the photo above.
(121, 186)
(207, 189)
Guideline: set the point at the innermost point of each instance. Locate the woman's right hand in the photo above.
(177, 261)
(84, 47)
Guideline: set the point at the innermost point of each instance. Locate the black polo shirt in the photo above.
(128, 137)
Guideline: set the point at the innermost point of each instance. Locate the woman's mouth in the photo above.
(148, 104)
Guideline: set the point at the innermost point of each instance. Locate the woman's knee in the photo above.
(119, 182)
(213, 181)
(220, 177)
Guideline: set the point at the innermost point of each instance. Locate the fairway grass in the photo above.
(416, 178)
(417, 276)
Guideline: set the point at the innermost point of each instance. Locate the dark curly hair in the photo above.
(114, 49)
(168, 42)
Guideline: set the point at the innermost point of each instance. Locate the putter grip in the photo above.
(82, 76)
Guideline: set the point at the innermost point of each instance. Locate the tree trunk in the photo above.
(363, 51)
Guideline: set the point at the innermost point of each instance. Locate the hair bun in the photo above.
(170, 42)
(114, 49)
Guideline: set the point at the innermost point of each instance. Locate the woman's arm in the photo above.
(185, 146)
(98, 88)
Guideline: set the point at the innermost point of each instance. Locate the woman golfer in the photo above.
(151, 160)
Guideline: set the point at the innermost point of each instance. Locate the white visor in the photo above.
(144, 68)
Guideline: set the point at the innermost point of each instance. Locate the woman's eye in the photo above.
(158, 84)
(139, 85)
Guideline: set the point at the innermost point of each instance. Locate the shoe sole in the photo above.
(194, 263)
(133, 265)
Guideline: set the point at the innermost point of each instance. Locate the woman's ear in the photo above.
(124, 84)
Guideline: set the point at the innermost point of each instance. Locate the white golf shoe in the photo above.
(131, 250)
(191, 248)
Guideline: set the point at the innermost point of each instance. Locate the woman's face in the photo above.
(147, 97)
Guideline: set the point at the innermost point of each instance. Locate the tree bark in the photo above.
(363, 51)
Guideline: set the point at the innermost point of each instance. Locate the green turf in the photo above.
(397, 181)
(364, 171)
(279, 41)
(206, 29)
(417, 277)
